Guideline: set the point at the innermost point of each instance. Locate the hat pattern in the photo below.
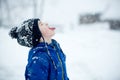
(25, 32)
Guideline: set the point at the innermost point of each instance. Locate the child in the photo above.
(46, 60)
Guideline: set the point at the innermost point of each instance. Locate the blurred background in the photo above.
(88, 31)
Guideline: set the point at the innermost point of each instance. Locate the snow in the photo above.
(92, 54)
(12, 59)
(68, 11)
(93, 51)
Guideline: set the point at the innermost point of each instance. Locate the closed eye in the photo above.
(40, 23)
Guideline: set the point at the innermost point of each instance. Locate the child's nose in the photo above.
(46, 24)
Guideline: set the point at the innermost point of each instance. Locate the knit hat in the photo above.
(28, 33)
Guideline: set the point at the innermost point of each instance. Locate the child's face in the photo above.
(46, 31)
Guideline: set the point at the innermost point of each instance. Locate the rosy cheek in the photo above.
(44, 32)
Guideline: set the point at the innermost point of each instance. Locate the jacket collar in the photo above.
(42, 45)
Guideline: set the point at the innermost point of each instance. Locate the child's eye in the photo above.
(41, 24)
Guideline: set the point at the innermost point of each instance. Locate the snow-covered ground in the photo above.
(93, 53)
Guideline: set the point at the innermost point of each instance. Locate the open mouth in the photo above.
(52, 28)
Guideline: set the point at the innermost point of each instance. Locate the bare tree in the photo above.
(35, 8)
(1, 13)
(5, 9)
(42, 8)
(38, 8)
(8, 11)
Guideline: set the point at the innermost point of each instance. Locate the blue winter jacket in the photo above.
(46, 62)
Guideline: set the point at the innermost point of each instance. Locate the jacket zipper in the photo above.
(61, 64)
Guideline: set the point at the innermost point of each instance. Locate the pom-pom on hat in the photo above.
(28, 33)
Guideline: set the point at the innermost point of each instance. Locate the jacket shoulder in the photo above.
(39, 54)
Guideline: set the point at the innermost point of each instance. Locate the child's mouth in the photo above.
(52, 28)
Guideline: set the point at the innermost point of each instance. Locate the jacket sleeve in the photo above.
(38, 68)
